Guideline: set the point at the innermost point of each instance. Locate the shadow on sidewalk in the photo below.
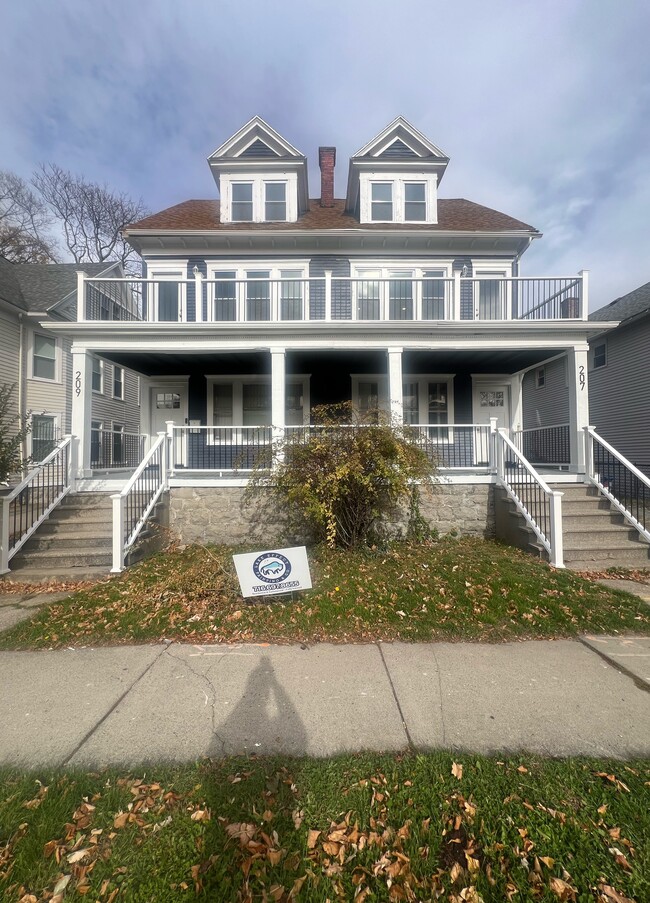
(264, 721)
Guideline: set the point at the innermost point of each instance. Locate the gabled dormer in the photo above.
(394, 178)
(260, 176)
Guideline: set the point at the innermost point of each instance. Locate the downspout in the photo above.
(21, 384)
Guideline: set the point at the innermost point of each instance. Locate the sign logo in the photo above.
(272, 567)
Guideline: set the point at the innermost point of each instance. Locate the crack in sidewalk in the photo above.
(411, 745)
(638, 682)
(110, 711)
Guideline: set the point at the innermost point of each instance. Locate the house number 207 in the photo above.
(77, 383)
(581, 376)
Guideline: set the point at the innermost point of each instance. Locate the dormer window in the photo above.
(382, 201)
(275, 205)
(242, 202)
(415, 202)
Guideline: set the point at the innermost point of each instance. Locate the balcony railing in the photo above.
(239, 449)
(397, 299)
(115, 449)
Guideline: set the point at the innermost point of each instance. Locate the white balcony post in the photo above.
(578, 405)
(584, 275)
(278, 393)
(4, 536)
(557, 544)
(455, 309)
(492, 450)
(71, 475)
(395, 386)
(328, 294)
(171, 452)
(198, 296)
(164, 455)
(81, 297)
(500, 458)
(118, 534)
(82, 376)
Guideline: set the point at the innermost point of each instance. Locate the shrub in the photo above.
(343, 476)
(13, 430)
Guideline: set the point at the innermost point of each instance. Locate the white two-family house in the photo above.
(255, 307)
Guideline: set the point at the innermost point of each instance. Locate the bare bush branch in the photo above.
(25, 222)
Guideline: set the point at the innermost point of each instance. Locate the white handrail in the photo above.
(122, 543)
(554, 542)
(590, 436)
(6, 553)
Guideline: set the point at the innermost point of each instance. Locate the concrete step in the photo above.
(601, 560)
(91, 516)
(82, 557)
(603, 540)
(585, 504)
(47, 575)
(41, 542)
(76, 526)
(88, 500)
(592, 520)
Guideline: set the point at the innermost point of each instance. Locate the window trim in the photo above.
(398, 179)
(57, 358)
(422, 379)
(99, 391)
(241, 268)
(55, 416)
(122, 383)
(168, 271)
(594, 365)
(237, 381)
(418, 268)
(540, 377)
(259, 181)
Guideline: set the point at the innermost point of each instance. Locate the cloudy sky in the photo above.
(542, 105)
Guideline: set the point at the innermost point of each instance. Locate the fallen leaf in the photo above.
(562, 890)
(312, 837)
(522, 769)
(457, 770)
(78, 855)
(620, 858)
(612, 895)
(120, 820)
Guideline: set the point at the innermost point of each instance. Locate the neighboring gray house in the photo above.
(619, 376)
(40, 364)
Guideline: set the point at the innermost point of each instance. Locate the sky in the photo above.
(543, 106)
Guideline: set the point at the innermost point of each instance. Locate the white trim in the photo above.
(387, 270)
(172, 271)
(496, 379)
(113, 396)
(274, 266)
(398, 180)
(56, 417)
(237, 382)
(102, 375)
(259, 181)
(58, 363)
(257, 128)
(421, 379)
(397, 129)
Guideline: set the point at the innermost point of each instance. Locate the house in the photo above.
(40, 365)
(619, 376)
(257, 306)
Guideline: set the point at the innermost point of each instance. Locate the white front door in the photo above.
(490, 398)
(169, 402)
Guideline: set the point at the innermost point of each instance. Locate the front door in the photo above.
(490, 398)
(169, 402)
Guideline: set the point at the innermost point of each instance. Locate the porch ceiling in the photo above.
(371, 360)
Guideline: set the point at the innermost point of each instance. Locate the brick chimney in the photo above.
(326, 161)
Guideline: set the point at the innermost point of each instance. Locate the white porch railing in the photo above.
(31, 501)
(626, 487)
(540, 505)
(133, 505)
(400, 297)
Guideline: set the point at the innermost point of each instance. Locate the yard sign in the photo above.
(277, 571)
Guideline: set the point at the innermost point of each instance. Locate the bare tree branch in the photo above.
(24, 223)
(92, 216)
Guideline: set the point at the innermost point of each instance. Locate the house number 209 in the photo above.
(77, 383)
(581, 376)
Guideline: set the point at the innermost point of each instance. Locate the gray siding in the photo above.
(50, 397)
(548, 405)
(619, 392)
(10, 354)
(112, 410)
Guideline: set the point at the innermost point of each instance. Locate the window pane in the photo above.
(368, 295)
(222, 404)
(415, 207)
(411, 393)
(600, 355)
(168, 301)
(368, 399)
(225, 298)
(242, 202)
(433, 296)
(118, 382)
(258, 295)
(400, 296)
(490, 297)
(438, 403)
(256, 404)
(382, 201)
(275, 198)
(291, 295)
(43, 436)
(294, 404)
(44, 357)
(97, 375)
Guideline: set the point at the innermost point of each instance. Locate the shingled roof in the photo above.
(454, 215)
(631, 305)
(43, 284)
(10, 290)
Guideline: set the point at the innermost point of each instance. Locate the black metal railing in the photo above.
(111, 449)
(620, 480)
(220, 448)
(455, 446)
(145, 487)
(545, 445)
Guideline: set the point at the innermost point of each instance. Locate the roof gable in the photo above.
(254, 133)
(401, 130)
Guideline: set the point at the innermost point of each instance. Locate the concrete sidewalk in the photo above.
(178, 702)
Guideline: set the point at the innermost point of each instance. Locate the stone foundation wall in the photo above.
(218, 514)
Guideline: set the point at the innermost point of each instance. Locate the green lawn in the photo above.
(450, 590)
(379, 828)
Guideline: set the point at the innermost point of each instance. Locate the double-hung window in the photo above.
(258, 295)
(600, 355)
(415, 202)
(167, 292)
(118, 382)
(43, 435)
(381, 202)
(44, 357)
(245, 401)
(368, 292)
(275, 201)
(400, 295)
(492, 295)
(433, 295)
(225, 296)
(98, 375)
(242, 202)
(291, 306)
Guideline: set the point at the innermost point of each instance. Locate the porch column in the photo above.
(395, 389)
(578, 404)
(278, 391)
(82, 376)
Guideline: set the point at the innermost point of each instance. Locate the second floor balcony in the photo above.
(399, 297)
